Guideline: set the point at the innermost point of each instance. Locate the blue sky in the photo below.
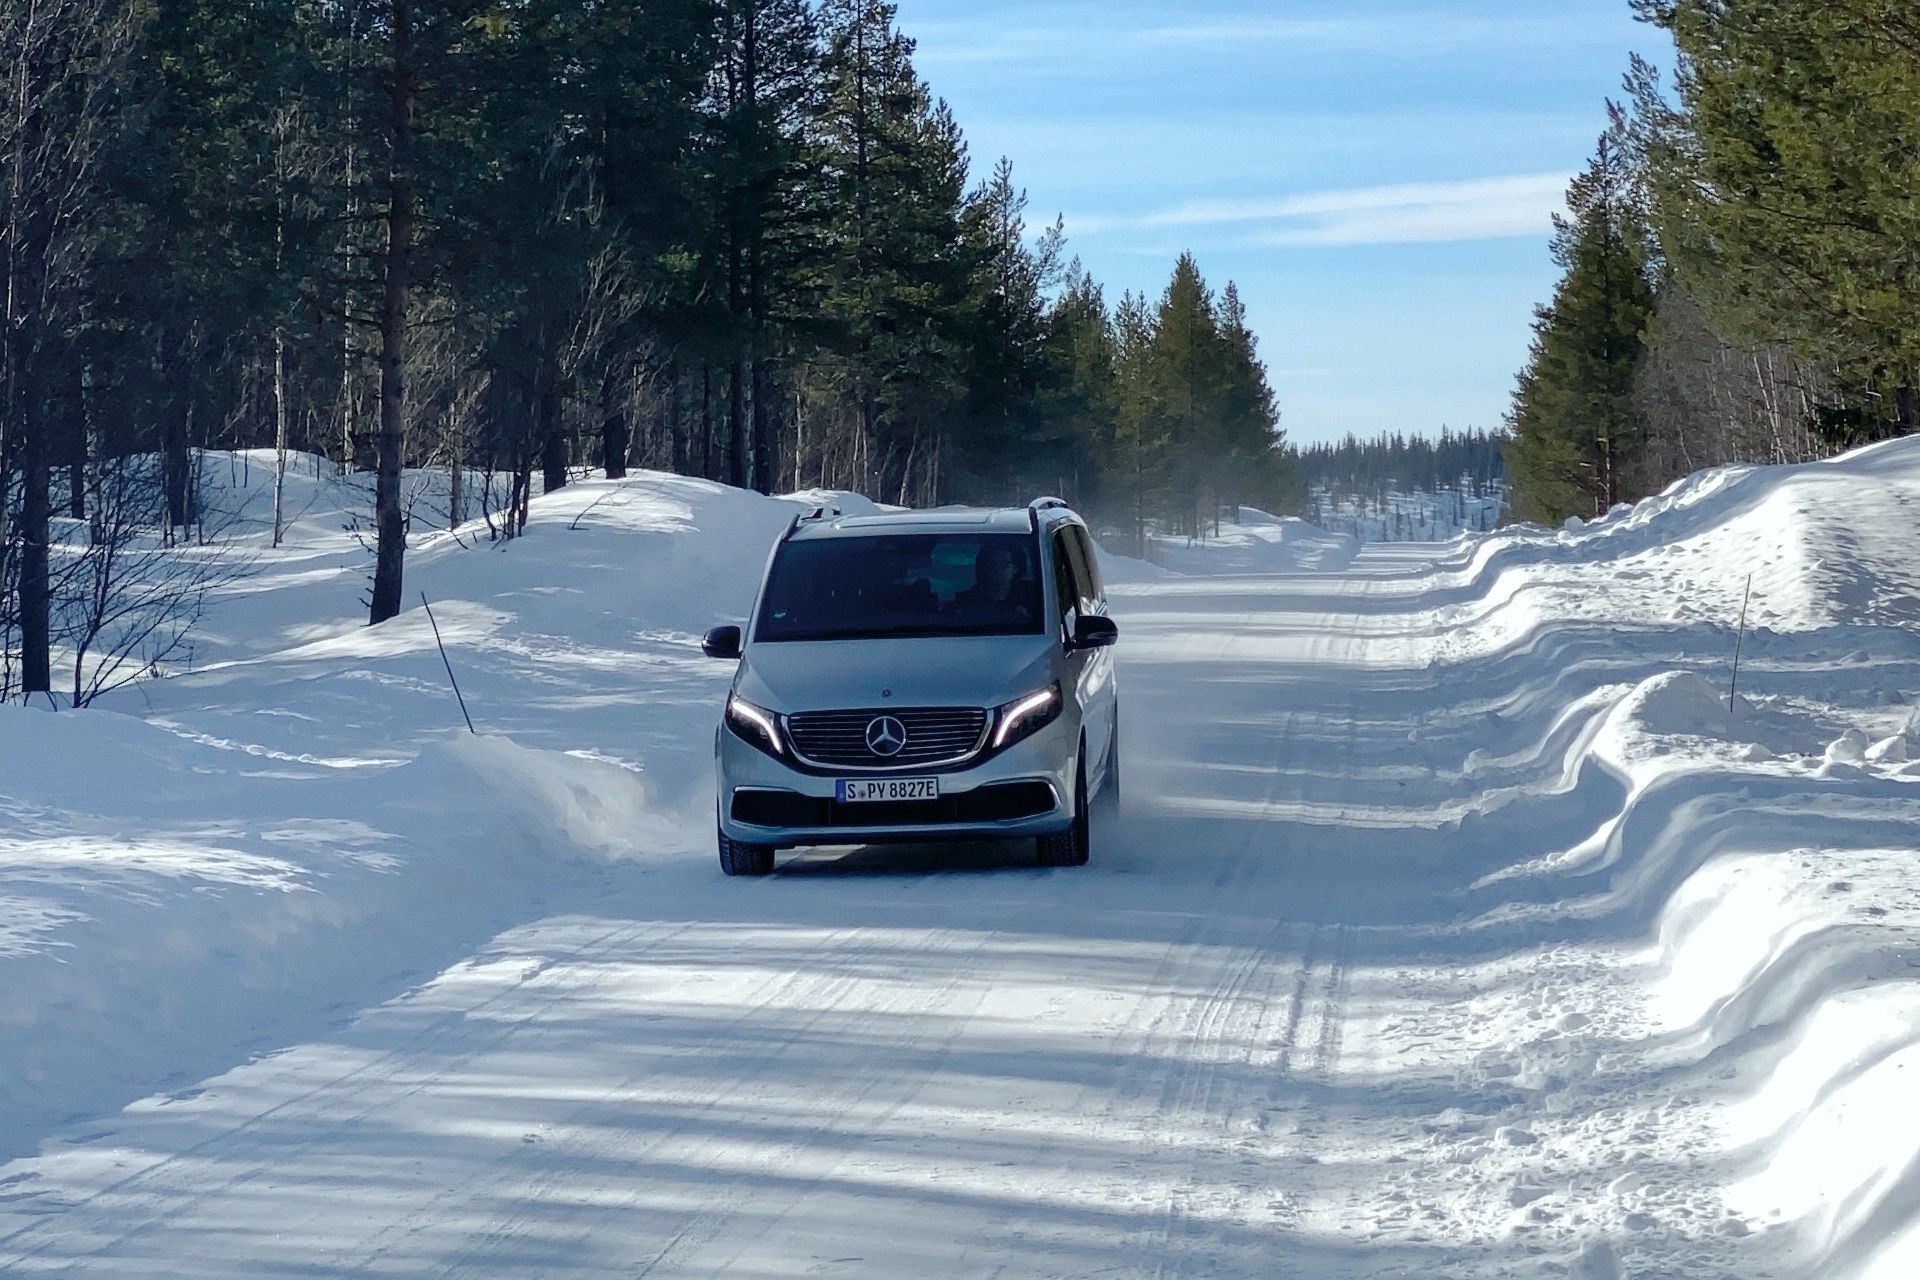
(1378, 175)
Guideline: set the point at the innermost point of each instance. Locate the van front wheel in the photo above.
(739, 859)
(1072, 847)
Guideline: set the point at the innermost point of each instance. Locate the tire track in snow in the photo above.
(1231, 1057)
(164, 1202)
(1306, 1044)
(858, 1077)
(1214, 1124)
(1333, 1025)
(894, 1088)
(557, 1165)
(1241, 1061)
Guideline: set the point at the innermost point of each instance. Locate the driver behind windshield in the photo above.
(997, 586)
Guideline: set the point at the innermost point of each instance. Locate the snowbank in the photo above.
(295, 822)
(1258, 543)
(1715, 900)
(166, 908)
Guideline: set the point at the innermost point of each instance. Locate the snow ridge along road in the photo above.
(1453, 927)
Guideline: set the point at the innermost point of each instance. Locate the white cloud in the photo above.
(1409, 213)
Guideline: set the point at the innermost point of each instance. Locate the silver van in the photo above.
(923, 676)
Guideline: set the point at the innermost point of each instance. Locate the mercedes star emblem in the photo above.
(886, 736)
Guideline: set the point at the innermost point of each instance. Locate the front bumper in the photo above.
(767, 801)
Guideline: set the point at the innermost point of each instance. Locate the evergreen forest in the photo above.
(739, 239)
(1739, 282)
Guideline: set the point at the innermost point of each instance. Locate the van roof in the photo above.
(954, 519)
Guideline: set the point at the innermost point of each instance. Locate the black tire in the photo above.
(1110, 788)
(1072, 847)
(737, 859)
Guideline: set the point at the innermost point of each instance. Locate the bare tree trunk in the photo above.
(799, 440)
(766, 458)
(73, 427)
(615, 435)
(869, 412)
(96, 449)
(279, 338)
(456, 487)
(196, 507)
(680, 455)
(391, 530)
(486, 494)
(905, 497)
(36, 602)
(706, 421)
(349, 413)
(175, 462)
(737, 422)
(279, 435)
(550, 430)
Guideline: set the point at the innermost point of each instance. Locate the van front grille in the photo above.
(843, 739)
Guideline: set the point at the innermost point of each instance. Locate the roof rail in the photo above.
(810, 515)
(1038, 505)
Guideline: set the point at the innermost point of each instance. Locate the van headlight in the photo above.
(1025, 716)
(755, 725)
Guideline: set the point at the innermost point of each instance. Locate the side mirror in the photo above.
(1094, 632)
(722, 642)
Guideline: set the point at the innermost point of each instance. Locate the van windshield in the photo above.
(921, 584)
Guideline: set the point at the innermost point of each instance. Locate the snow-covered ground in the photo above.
(1259, 542)
(1455, 926)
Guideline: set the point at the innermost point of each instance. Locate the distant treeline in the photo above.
(732, 238)
(1397, 488)
(1739, 276)
(1395, 461)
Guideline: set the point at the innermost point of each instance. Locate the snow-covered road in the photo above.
(1451, 929)
(882, 1062)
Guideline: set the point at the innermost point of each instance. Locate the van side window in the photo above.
(1086, 569)
(1065, 583)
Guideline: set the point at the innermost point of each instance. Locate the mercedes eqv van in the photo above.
(924, 676)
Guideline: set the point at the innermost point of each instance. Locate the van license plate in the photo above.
(866, 790)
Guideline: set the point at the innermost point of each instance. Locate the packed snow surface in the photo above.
(1256, 542)
(1457, 923)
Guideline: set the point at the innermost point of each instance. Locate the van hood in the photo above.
(921, 671)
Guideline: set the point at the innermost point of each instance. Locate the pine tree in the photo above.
(1578, 429)
(1081, 399)
(1006, 325)
(1784, 178)
(1248, 458)
(897, 269)
(1140, 436)
(1187, 367)
(765, 207)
